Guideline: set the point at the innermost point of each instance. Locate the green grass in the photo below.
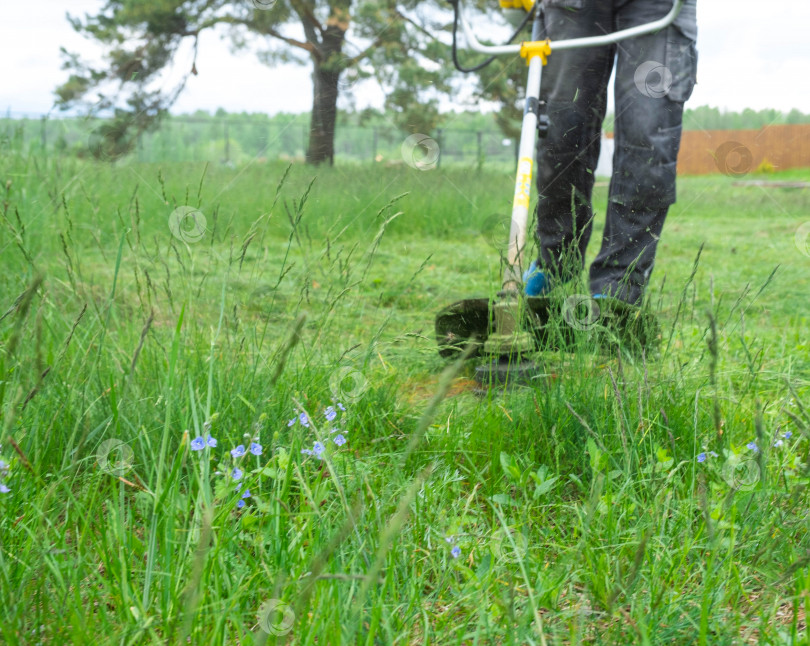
(578, 505)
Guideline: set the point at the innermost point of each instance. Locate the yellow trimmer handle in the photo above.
(517, 4)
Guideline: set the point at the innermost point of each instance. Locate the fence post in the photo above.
(374, 152)
(44, 134)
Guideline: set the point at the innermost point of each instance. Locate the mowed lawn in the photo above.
(229, 424)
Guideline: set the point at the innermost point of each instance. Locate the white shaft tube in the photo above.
(523, 181)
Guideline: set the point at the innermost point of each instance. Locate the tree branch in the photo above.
(367, 51)
(231, 20)
(308, 20)
(311, 48)
(414, 23)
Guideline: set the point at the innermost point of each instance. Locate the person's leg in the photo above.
(655, 74)
(574, 87)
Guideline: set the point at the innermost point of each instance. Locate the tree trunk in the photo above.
(327, 67)
(321, 147)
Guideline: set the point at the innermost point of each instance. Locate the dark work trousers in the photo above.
(655, 74)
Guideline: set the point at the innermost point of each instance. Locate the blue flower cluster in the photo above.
(198, 444)
(333, 418)
(254, 448)
(236, 474)
(3, 475)
(245, 494)
(751, 446)
(456, 551)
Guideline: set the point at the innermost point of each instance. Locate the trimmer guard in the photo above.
(554, 323)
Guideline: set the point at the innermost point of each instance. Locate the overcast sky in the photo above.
(752, 54)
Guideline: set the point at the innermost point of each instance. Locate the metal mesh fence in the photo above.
(229, 140)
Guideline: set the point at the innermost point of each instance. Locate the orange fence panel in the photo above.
(737, 152)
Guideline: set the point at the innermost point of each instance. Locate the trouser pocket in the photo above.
(681, 62)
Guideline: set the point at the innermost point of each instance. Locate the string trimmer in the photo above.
(509, 328)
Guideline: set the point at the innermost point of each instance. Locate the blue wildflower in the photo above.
(340, 440)
(255, 448)
(236, 474)
(238, 452)
(787, 434)
(752, 446)
(306, 451)
(778, 443)
(246, 494)
(330, 413)
(304, 419)
(197, 444)
(701, 457)
(292, 421)
(456, 551)
(240, 504)
(449, 539)
(318, 449)
(4, 488)
(713, 454)
(238, 487)
(210, 441)
(340, 406)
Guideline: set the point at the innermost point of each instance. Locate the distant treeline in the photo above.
(707, 118)
(700, 118)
